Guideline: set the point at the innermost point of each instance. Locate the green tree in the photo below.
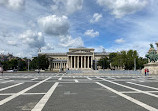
(104, 63)
(43, 62)
(40, 62)
(131, 55)
(126, 59)
(22, 64)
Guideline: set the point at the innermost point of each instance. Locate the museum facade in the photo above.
(76, 58)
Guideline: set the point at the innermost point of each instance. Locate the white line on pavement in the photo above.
(7, 94)
(39, 106)
(150, 108)
(21, 92)
(89, 78)
(137, 92)
(2, 89)
(60, 78)
(143, 85)
(33, 93)
(7, 81)
(34, 79)
(2, 94)
(154, 95)
(76, 80)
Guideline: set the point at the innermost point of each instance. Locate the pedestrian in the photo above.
(38, 71)
(145, 71)
(1, 70)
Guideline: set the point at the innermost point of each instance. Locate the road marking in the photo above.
(3, 94)
(39, 106)
(34, 79)
(76, 80)
(143, 85)
(21, 92)
(89, 78)
(137, 92)
(7, 81)
(2, 89)
(154, 95)
(60, 78)
(7, 94)
(33, 93)
(150, 108)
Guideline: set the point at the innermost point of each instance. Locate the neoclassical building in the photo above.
(76, 58)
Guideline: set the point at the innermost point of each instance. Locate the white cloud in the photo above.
(120, 40)
(96, 17)
(91, 33)
(120, 8)
(68, 41)
(12, 43)
(54, 25)
(32, 39)
(13, 4)
(99, 49)
(47, 47)
(66, 6)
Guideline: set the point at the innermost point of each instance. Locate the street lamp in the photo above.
(134, 64)
(39, 50)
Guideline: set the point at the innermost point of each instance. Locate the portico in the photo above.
(80, 58)
(80, 62)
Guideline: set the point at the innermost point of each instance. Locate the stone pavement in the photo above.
(64, 92)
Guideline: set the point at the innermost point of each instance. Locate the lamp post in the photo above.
(134, 64)
(28, 65)
(39, 50)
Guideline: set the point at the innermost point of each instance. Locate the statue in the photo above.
(153, 57)
(152, 54)
(151, 46)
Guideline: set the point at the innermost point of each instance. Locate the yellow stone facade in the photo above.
(76, 58)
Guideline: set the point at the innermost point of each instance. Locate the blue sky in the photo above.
(57, 25)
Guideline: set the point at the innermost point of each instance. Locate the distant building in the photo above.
(76, 58)
(7, 57)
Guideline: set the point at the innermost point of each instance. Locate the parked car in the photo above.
(10, 70)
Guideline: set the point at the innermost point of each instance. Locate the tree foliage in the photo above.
(104, 63)
(125, 59)
(14, 64)
(40, 62)
(21, 64)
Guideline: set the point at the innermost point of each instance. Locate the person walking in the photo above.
(145, 71)
(1, 70)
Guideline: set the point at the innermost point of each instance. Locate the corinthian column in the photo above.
(91, 61)
(74, 62)
(88, 63)
(78, 62)
(84, 61)
(71, 61)
(81, 62)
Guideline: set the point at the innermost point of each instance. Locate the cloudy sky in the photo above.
(57, 25)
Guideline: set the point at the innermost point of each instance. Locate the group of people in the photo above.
(146, 72)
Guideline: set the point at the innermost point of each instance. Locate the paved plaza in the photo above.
(65, 92)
